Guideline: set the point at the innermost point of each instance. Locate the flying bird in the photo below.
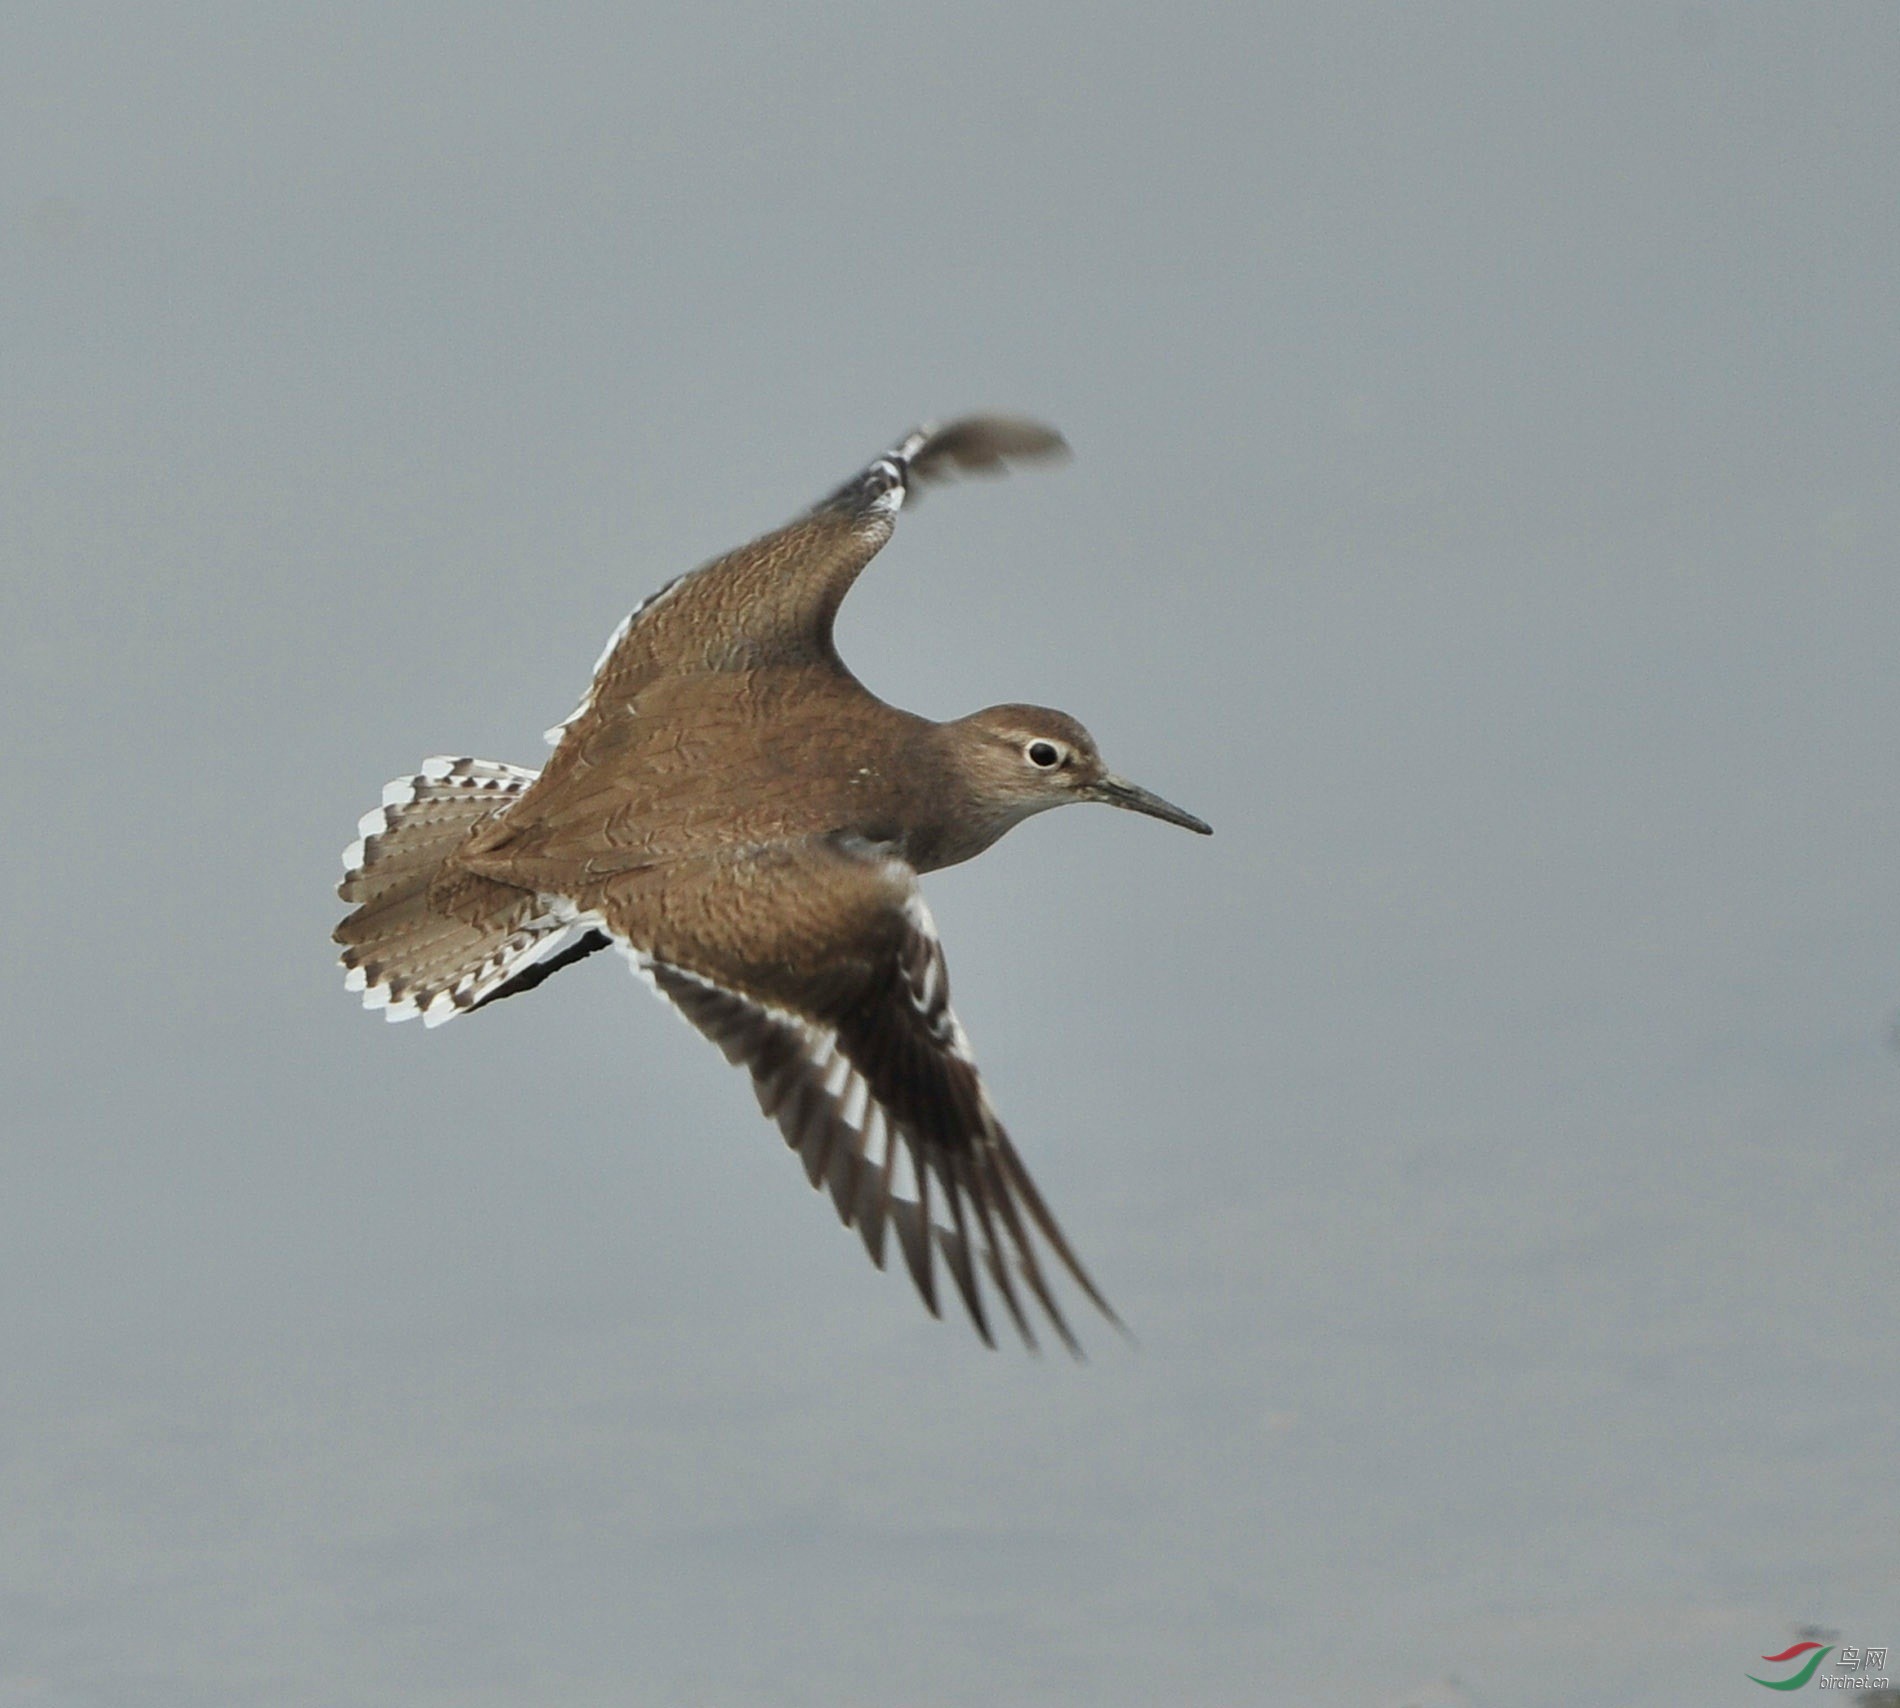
(731, 809)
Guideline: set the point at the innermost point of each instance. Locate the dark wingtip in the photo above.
(913, 1240)
(972, 445)
(980, 445)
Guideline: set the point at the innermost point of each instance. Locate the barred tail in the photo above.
(408, 954)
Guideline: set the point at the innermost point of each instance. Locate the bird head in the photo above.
(1020, 760)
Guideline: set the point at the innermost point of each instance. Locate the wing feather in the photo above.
(774, 600)
(854, 1051)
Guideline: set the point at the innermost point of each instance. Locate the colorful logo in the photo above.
(1821, 1652)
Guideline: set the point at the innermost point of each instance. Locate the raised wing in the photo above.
(844, 1023)
(774, 601)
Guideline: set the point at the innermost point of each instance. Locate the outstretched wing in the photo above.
(844, 1023)
(774, 600)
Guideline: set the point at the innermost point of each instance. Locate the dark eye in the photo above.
(1044, 754)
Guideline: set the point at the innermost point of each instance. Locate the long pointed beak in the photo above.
(1119, 792)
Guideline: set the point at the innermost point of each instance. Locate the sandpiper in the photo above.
(731, 809)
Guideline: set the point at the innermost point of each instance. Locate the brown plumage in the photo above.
(736, 812)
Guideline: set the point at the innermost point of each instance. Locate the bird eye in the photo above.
(1045, 755)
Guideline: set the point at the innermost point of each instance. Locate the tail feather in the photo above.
(423, 820)
(409, 954)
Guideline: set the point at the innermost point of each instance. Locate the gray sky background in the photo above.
(1484, 510)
